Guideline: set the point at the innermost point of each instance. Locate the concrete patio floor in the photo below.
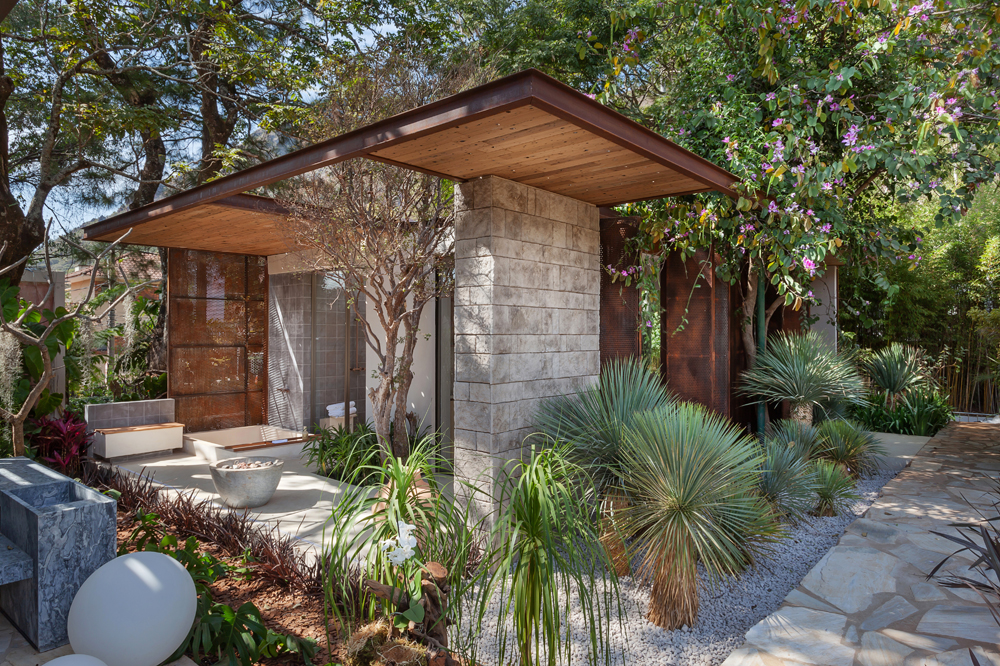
(300, 507)
(868, 602)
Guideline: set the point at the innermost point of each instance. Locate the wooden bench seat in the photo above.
(138, 439)
(138, 428)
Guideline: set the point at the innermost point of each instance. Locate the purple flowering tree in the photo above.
(826, 111)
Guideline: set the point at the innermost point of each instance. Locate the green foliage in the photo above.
(802, 369)
(805, 439)
(693, 481)
(820, 108)
(834, 487)
(850, 446)
(230, 637)
(896, 369)
(594, 420)
(946, 304)
(361, 522)
(920, 412)
(546, 545)
(787, 480)
(344, 454)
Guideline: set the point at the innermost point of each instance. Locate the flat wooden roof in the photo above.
(526, 127)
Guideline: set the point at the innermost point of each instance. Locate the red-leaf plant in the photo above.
(60, 442)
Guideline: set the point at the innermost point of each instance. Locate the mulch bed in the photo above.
(282, 608)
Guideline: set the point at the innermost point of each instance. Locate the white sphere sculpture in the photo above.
(76, 660)
(133, 611)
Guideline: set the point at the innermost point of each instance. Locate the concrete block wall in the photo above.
(527, 314)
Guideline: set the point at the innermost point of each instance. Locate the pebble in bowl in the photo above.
(246, 482)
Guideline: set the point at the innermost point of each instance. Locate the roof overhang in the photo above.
(526, 127)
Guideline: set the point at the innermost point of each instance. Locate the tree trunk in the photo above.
(17, 433)
(611, 534)
(673, 602)
(803, 413)
(21, 235)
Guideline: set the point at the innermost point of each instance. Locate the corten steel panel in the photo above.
(257, 278)
(208, 322)
(211, 412)
(744, 413)
(620, 336)
(696, 360)
(198, 370)
(216, 317)
(197, 274)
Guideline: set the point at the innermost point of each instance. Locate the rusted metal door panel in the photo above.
(620, 336)
(216, 323)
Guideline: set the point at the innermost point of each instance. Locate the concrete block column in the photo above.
(527, 315)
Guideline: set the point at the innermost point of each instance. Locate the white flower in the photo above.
(398, 556)
(387, 544)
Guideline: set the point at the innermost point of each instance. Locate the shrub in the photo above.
(60, 442)
(545, 533)
(226, 635)
(802, 369)
(834, 488)
(850, 446)
(693, 479)
(342, 453)
(787, 480)
(921, 411)
(361, 521)
(594, 420)
(803, 438)
(896, 370)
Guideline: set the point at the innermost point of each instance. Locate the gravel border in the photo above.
(726, 612)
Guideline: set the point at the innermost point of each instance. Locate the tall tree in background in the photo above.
(822, 109)
(115, 101)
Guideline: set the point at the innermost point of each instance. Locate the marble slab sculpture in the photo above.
(64, 530)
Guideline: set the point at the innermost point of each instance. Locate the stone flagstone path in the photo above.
(867, 602)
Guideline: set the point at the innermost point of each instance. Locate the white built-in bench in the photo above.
(140, 439)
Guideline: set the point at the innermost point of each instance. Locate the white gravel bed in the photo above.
(726, 612)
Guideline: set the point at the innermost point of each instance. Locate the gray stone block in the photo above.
(68, 530)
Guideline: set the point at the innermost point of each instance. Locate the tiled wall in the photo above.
(125, 414)
(296, 398)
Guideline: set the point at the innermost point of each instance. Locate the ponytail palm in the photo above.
(692, 479)
(802, 369)
(593, 423)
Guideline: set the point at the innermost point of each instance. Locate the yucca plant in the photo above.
(850, 446)
(802, 369)
(787, 480)
(834, 489)
(594, 420)
(801, 437)
(593, 423)
(896, 369)
(692, 477)
(544, 537)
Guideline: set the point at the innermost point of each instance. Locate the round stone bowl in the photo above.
(246, 488)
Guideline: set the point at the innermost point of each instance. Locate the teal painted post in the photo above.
(761, 345)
